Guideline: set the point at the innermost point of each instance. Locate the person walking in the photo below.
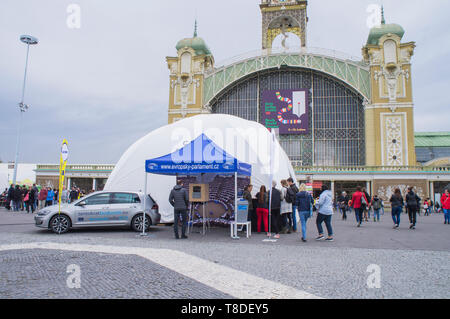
(42, 197)
(325, 213)
(304, 202)
(343, 200)
(286, 208)
(275, 209)
(179, 199)
(359, 201)
(262, 209)
(397, 207)
(377, 204)
(367, 207)
(17, 198)
(445, 204)
(413, 205)
(292, 192)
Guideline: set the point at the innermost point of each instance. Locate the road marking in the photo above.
(225, 279)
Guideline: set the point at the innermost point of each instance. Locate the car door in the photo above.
(93, 210)
(124, 206)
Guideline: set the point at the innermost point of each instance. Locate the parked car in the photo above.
(101, 209)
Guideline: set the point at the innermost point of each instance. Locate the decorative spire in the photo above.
(383, 21)
(195, 29)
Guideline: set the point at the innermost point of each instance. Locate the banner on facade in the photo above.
(286, 110)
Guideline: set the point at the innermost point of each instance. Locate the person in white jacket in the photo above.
(286, 209)
(324, 213)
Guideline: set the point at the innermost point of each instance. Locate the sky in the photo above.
(106, 84)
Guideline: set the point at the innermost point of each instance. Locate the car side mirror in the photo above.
(82, 204)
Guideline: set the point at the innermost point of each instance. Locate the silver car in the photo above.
(101, 209)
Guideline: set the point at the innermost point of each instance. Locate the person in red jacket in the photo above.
(359, 205)
(445, 203)
(42, 197)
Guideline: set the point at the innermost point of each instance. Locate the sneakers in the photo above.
(320, 238)
(304, 240)
(359, 225)
(184, 237)
(329, 239)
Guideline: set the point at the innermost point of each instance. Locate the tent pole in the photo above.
(145, 204)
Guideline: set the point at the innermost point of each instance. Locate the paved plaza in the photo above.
(118, 263)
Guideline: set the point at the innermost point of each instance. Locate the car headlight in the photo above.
(44, 212)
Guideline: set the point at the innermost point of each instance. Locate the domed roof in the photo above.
(377, 32)
(196, 43)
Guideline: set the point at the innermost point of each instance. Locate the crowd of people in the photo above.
(31, 198)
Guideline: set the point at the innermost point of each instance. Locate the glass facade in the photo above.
(336, 115)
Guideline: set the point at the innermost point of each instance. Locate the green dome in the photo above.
(196, 43)
(377, 32)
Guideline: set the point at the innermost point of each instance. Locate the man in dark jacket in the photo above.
(293, 189)
(275, 210)
(179, 199)
(10, 197)
(17, 198)
(412, 205)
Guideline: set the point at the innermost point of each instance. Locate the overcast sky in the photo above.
(106, 84)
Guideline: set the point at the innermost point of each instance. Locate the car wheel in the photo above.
(138, 220)
(60, 224)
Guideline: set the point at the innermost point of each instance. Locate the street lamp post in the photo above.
(28, 40)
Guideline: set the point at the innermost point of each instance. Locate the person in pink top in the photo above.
(445, 202)
(359, 204)
(42, 197)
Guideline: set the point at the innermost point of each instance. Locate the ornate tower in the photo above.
(187, 72)
(390, 113)
(281, 16)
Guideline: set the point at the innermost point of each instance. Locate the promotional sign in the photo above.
(286, 110)
(62, 169)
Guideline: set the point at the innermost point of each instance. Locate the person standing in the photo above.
(359, 201)
(304, 202)
(32, 199)
(413, 204)
(42, 197)
(377, 204)
(50, 197)
(286, 208)
(262, 209)
(397, 207)
(247, 195)
(367, 207)
(275, 208)
(17, 198)
(10, 197)
(325, 213)
(343, 200)
(445, 204)
(292, 193)
(179, 199)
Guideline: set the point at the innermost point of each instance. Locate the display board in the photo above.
(286, 110)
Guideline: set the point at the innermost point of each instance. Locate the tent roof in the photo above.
(201, 155)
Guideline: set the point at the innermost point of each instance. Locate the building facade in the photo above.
(357, 114)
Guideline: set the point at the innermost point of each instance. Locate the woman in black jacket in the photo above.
(413, 205)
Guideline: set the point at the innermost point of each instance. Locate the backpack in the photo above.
(290, 196)
(377, 204)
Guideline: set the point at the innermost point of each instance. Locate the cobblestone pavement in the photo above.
(413, 264)
(43, 274)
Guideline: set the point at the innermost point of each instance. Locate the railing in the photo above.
(82, 167)
(294, 50)
(370, 169)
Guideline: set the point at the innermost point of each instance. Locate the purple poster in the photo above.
(286, 110)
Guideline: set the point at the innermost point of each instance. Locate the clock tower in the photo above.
(282, 16)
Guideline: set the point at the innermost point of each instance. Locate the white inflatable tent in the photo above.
(247, 141)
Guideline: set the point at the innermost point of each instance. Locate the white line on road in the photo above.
(225, 279)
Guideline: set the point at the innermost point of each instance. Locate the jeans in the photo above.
(396, 213)
(344, 213)
(180, 214)
(304, 216)
(294, 218)
(412, 213)
(16, 205)
(327, 219)
(359, 215)
(376, 214)
(287, 221)
(447, 215)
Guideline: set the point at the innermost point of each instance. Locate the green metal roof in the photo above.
(432, 139)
